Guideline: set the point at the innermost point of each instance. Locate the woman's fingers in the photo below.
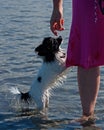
(57, 26)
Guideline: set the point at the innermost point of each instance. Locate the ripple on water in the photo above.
(23, 25)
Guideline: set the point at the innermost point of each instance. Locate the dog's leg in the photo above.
(46, 102)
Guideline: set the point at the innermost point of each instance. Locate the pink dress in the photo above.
(86, 41)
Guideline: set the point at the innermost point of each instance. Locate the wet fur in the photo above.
(50, 71)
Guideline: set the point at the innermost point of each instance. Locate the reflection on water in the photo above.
(23, 25)
(37, 121)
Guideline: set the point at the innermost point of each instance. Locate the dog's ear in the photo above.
(59, 39)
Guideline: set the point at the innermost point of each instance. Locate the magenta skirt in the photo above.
(86, 40)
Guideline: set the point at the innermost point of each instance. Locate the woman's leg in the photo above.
(89, 82)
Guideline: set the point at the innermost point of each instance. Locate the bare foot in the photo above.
(86, 120)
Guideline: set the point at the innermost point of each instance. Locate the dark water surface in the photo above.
(23, 25)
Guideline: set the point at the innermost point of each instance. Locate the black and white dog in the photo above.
(52, 69)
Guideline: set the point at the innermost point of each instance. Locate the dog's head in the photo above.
(48, 48)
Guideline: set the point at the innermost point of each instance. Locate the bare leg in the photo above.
(89, 82)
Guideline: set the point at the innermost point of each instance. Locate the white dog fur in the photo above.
(51, 70)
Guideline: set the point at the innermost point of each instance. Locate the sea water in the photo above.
(23, 25)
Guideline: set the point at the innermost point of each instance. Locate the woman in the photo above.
(85, 46)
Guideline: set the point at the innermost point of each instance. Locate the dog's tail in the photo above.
(26, 97)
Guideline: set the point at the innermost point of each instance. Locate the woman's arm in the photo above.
(58, 4)
(56, 22)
